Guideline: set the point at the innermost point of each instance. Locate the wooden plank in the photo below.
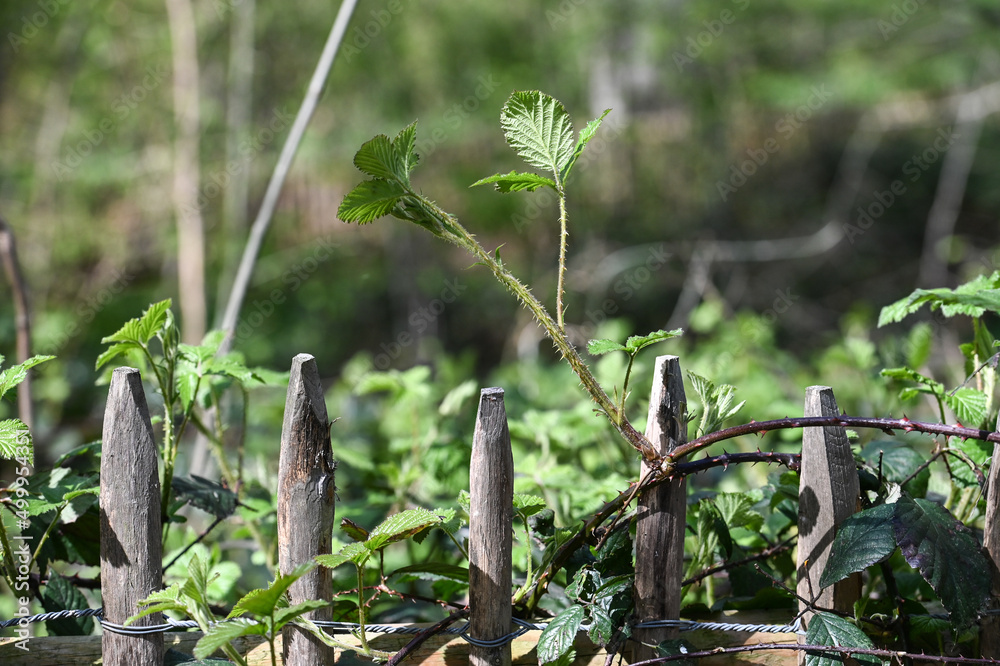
(305, 504)
(491, 490)
(828, 493)
(131, 553)
(660, 515)
(989, 629)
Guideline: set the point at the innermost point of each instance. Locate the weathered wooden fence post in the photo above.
(491, 489)
(828, 494)
(989, 628)
(131, 554)
(660, 516)
(305, 505)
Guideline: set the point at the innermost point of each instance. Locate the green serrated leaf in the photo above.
(400, 526)
(972, 298)
(828, 629)
(637, 342)
(586, 134)
(115, 351)
(353, 552)
(946, 555)
(15, 441)
(528, 505)
(737, 509)
(221, 633)
(598, 347)
(862, 540)
(16, 374)
(516, 182)
(142, 329)
(263, 602)
(370, 200)
(539, 130)
(970, 406)
(557, 638)
(376, 158)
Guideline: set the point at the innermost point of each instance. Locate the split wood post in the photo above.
(828, 494)
(989, 628)
(660, 515)
(131, 552)
(491, 515)
(305, 505)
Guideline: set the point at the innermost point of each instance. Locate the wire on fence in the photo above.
(350, 627)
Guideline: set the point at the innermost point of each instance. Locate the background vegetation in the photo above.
(772, 173)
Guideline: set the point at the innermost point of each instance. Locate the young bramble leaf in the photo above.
(604, 346)
(539, 130)
(15, 440)
(353, 530)
(400, 526)
(16, 374)
(516, 182)
(586, 134)
(141, 330)
(972, 298)
(637, 342)
(389, 160)
(353, 552)
(528, 505)
(970, 406)
(221, 633)
(370, 200)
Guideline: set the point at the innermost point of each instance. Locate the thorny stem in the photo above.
(562, 256)
(886, 425)
(458, 235)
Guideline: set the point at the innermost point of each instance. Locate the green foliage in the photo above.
(15, 438)
(716, 404)
(829, 629)
(972, 299)
(932, 541)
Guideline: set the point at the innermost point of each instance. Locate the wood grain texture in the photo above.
(660, 515)
(131, 556)
(491, 490)
(306, 494)
(828, 494)
(990, 624)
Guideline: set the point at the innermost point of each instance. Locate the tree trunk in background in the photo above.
(187, 176)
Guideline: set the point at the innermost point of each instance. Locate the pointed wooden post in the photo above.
(305, 505)
(131, 554)
(660, 516)
(828, 494)
(989, 628)
(491, 515)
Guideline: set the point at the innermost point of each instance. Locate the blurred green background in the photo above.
(771, 174)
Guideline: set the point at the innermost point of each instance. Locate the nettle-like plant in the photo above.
(731, 529)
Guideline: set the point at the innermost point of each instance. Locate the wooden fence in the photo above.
(131, 557)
